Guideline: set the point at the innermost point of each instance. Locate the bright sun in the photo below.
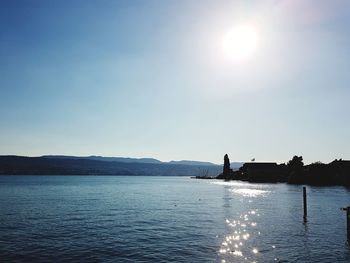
(240, 42)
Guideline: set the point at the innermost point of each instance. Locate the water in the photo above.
(167, 219)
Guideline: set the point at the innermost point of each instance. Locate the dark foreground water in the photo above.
(167, 219)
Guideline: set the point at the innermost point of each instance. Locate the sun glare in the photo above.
(240, 42)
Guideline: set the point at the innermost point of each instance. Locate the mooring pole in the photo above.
(347, 209)
(305, 203)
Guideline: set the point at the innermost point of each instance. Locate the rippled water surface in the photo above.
(167, 219)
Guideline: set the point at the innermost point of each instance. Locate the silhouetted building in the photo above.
(227, 172)
(263, 172)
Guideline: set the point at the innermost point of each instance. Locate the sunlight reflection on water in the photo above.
(246, 192)
(233, 248)
(241, 244)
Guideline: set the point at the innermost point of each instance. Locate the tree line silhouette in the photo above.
(294, 172)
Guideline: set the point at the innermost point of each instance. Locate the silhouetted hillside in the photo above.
(107, 159)
(190, 162)
(59, 165)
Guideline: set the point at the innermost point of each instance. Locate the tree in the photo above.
(296, 164)
(296, 171)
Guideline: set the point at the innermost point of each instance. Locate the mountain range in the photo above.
(99, 165)
(126, 159)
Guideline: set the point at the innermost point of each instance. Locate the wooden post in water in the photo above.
(305, 204)
(347, 209)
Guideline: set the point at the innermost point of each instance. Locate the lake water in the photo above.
(167, 219)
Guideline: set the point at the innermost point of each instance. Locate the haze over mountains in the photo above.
(127, 159)
(98, 165)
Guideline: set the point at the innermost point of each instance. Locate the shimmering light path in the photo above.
(262, 230)
(241, 244)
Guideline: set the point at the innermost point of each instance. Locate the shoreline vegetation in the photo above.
(336, 172)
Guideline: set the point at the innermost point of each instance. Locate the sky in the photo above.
(150, 79)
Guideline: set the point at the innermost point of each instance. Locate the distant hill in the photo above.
(97, 165)
(185, 162)
(131, 160)
(236, 165)
(107, 159)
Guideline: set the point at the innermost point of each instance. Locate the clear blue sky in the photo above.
(148, 79)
